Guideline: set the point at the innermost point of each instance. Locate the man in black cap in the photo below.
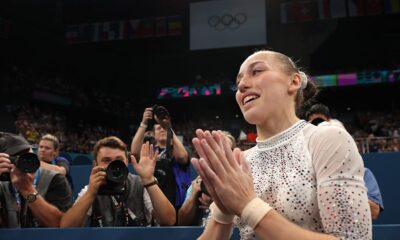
(29, 196)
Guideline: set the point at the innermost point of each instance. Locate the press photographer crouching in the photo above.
(172, 168)
(29, 196)
(114, 197)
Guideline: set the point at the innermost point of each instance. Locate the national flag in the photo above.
(161, 26)
(306, 11)
(324, 10)
(146, 28)
(338, 8)
(392, 6)
(356, 8)
(174, 25)
(373, 7)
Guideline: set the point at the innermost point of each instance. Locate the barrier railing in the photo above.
(380, 232)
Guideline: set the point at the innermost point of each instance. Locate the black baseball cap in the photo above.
(12, 144)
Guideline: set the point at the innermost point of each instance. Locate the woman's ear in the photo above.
(295, 83)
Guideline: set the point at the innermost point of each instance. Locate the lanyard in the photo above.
(126, 209)
(162, 152)
(119, 207)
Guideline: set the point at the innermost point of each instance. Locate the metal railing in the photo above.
(378, 144)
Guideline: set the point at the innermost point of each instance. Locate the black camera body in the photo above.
(26, 162)
(203, 188)
(160, 113)
(117, 174)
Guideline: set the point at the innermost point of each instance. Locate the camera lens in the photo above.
(117, 171)
(203, 188)
(27, 162)
(160, 112)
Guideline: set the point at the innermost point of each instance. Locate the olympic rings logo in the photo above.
(227, 21)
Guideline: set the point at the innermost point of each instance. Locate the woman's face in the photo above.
(262, 88)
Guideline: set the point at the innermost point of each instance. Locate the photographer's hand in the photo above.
(137, 140)
(23, 182)
(48, 214)
(205, 201)
(147, 163)
(196, 186)
(5, 163)
(77, 216)
(97, 178)
(147, 115)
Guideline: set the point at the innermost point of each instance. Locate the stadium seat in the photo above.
(82, 160)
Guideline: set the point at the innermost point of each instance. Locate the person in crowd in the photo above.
(138, 199)
(172, 168)
(374, 194)
(195, 209)
(37, 199)
(319, 115)
(299, 182)
(48, 153)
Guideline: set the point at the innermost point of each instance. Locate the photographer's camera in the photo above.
(26, 162)
(116, 176)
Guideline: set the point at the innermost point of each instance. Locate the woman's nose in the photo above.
(243, 84)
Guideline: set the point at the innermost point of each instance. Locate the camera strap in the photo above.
(121, 211)
(126, 210)
(169, 146)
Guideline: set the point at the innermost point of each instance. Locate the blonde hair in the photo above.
(229, 135)
(53, 139)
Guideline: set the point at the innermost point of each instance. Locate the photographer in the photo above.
(48, 150)
(172, 169)
(195, 209)
(133, 203)
(30, 196)
(319, 115)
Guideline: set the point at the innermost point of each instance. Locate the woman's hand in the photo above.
(225, 173)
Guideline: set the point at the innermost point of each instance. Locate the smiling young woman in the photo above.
(299, 182)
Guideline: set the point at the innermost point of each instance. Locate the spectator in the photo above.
(374, 194)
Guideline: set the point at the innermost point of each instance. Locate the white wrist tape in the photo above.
(219, 216)
(254, 212)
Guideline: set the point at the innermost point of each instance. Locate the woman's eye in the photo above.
(256, 71)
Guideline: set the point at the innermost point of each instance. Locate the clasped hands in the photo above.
(225, 173)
